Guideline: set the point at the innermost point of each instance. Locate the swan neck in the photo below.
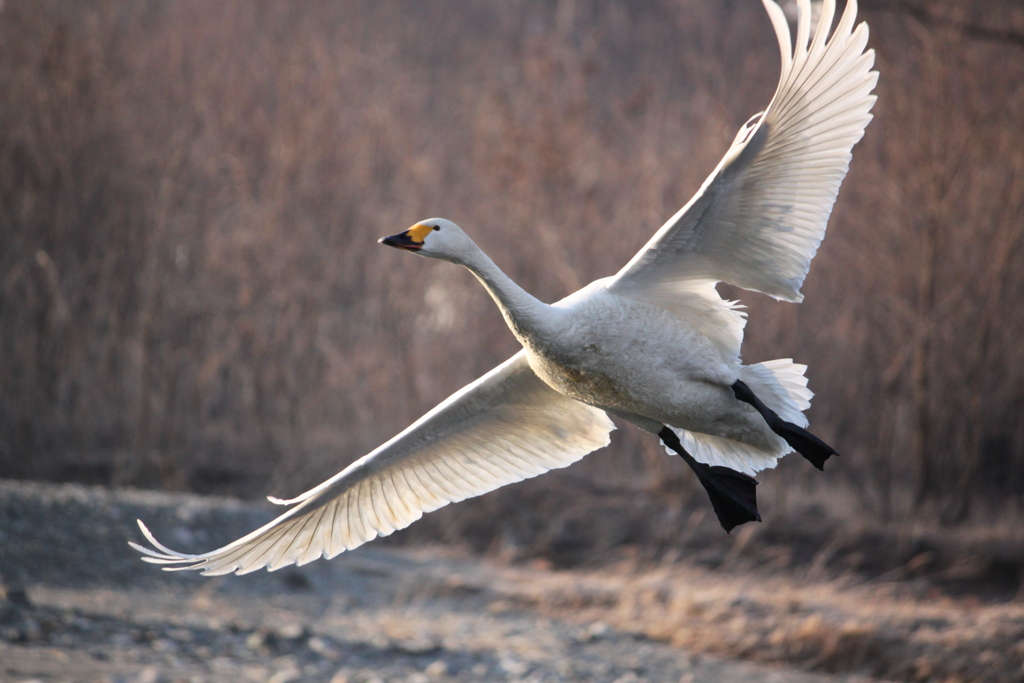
(525, 315)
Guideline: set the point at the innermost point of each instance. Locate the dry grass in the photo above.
(885, 630)
(826, 604)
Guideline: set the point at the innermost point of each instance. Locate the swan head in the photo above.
(435, 237)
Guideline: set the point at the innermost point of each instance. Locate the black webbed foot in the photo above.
(733, 494)
(799, 439)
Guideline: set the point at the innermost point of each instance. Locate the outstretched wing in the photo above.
(758, 219)
(504, 427)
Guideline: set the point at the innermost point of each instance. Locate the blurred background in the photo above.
(192, 296)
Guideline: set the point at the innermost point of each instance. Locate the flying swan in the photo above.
(653, 345)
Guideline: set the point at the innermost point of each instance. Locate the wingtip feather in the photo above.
(158, 545)
(781, 26)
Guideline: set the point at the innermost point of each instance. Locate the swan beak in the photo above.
(410, 240)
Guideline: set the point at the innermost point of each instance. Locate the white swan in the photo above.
(653, 345)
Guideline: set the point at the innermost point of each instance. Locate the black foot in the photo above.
(800, 440)
(733, 494)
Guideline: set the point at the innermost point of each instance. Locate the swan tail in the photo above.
(782, 385)
(778, 390)
(781, 388)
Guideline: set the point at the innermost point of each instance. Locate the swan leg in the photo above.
(733, 494)
(799, 439)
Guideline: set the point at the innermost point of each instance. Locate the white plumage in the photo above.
(505, 427)
(654, 345)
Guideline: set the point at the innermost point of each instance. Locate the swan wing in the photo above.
(504, 427)
(758, 219)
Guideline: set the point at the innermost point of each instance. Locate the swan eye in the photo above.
(437, 227)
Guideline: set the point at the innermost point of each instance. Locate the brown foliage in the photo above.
(191, 295)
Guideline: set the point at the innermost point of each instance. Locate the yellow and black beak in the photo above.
(410, 240)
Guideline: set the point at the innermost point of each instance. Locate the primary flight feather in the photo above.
(654, 345)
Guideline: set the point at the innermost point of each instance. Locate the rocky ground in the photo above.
(79, 606)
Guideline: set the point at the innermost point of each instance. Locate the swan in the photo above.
(653, 345)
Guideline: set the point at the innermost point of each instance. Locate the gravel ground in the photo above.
(78, 605)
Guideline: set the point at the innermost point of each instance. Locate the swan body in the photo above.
(634, 357)
(654, 345)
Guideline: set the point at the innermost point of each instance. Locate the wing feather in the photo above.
(758, 219)
(505, 427)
